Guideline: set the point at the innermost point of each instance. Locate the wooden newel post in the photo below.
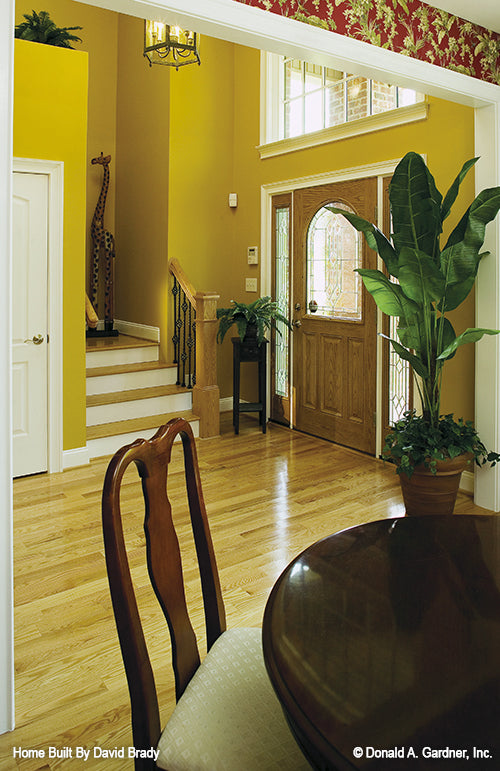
(206, 390)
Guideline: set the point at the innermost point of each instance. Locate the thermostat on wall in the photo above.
(233, 200)
(253, 255)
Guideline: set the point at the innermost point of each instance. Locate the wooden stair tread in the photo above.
(133, 394)
(136, 424)
(116, 343)
(119, 369)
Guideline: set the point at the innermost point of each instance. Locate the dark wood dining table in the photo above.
(382, 643)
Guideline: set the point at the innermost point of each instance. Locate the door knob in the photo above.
(36, 340)
(296, 323)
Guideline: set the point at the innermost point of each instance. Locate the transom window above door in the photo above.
(305, 104)
(313, 97)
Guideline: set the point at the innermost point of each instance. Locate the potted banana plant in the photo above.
(422, 283)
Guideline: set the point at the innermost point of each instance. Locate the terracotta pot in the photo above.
(428, 493)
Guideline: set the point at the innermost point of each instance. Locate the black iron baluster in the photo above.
(189, 342)
(184, 308)
(175, 336)
(184, 337)
(193, 335)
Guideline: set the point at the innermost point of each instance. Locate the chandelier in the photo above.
(170, 45)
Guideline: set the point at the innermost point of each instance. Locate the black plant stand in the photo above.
(249, 351)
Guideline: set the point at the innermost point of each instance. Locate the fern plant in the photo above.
(262, 314)
(39, 28)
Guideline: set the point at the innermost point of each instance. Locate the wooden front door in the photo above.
(334, 342)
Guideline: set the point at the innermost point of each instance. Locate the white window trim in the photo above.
(353, 128)
(270, 118)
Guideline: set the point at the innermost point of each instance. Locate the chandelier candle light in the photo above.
(170, 45)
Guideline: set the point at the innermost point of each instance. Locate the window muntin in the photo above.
(333, 252)
(313, 97)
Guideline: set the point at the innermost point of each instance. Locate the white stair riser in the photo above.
(122, 356)
(108, 445)
(128, 381)
(138, 408)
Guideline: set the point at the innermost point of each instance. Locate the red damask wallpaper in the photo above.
(408, 27)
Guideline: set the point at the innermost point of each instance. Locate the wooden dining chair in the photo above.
(227, 716)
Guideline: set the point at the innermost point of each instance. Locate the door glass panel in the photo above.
(282, 298)
(399, 379)
(334, 251)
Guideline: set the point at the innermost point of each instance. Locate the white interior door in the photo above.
(29, 323)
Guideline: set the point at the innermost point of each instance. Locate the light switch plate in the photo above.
(250, 284)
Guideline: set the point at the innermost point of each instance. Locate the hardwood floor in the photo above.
(268, 496)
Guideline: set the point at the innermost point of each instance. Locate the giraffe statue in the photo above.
(103, 243)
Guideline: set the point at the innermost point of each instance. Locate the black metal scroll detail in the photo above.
(184, 338)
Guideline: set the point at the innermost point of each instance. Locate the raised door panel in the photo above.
(356, 398)
(29, 323)
(334, 340)
(333, 363)
(309, 379)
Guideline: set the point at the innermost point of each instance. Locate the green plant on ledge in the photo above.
(39, 28)
(429, 282)
(262, 314)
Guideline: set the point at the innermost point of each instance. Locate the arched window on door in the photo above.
(334, 250)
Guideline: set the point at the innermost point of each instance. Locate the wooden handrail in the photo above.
(187, 286)
(205, 390)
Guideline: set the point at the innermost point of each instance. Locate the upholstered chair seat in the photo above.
(229, 718)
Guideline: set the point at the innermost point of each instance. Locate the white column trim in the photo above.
(7, 717)
(487, 359)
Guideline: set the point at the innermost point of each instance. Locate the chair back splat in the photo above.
(152, 458)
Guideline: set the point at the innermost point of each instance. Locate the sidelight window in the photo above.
(282, 283)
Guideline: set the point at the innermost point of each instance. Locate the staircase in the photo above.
(130, 393)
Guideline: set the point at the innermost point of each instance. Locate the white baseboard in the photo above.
(77, 457)
(134, 330)
(467, 482)
(138, 330)
(226, 404)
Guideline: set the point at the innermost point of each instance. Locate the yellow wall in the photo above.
(182, 141)
(143, 113)
(447, 140)
(201, 224)
(50, 122)
(218, 238)
(100, 40)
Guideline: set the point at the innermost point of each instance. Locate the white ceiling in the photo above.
(483, 12)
